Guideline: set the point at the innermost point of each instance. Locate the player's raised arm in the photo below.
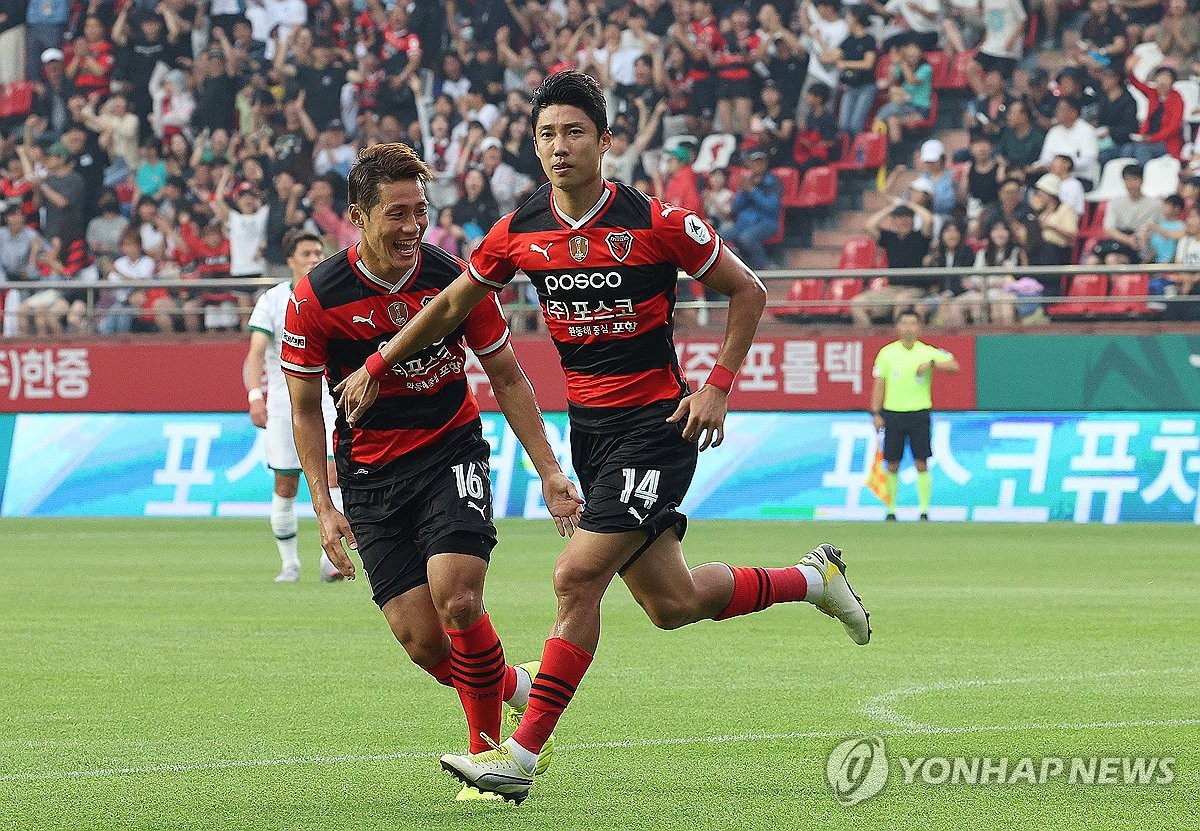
(703, 412)
(434, 322)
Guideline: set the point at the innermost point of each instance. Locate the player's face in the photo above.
(908, 327)
(305, 258)
(393, 229)
(569, 146)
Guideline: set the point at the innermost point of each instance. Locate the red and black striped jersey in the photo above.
(606, 283)
(340, 313)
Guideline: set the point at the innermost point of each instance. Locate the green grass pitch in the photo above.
(153, 677)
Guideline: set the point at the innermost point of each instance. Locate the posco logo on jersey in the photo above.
(595, 280)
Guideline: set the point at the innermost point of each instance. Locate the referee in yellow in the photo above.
(901, 400)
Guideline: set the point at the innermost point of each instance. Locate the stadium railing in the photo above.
(520, 304)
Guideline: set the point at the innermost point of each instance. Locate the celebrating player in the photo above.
(604, 260)
(274, 410)
(414, 470)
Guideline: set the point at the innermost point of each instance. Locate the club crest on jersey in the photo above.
(619, 243)
(398, 312)
(695, 229)
(578, 246)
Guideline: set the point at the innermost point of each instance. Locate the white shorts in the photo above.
(281, 446)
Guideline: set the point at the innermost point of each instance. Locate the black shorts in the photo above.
(445, 508)
(988, 63)
(634, 481)
(912, 428)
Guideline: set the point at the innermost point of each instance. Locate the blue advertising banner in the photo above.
(997, 467)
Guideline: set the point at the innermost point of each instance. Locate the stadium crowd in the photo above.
(148, 139)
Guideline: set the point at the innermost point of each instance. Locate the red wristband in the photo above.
(376, 366)
(721, 378)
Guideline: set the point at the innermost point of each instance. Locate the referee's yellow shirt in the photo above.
(906, 391)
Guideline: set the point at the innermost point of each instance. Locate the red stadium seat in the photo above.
(801, 293)
(819, 188)
(867, 152)
(16, 99)
(790, 177)
(883, 66)
(1032, 25)
(1134, 286)
(1083, 287)
(1093, 226)
(735, 176)
(858, 254)
(930, 120)
(940, 64)
(842, 289)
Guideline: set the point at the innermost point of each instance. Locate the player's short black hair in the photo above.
(574, 89)
(382, 163)
(292, 239)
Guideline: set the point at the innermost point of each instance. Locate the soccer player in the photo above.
(414, 469)
(604, 259)
(901, 402)
(274, 409)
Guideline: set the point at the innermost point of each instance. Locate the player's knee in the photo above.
(669, 613)
(574, 583)
(460, 608)
(425, 649)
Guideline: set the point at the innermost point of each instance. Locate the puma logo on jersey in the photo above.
(545, 252)
(368, 319)
(479, 508)
(668, 210)
(296, 302)
(637, 516)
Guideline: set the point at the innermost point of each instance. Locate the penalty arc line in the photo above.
(100, 773)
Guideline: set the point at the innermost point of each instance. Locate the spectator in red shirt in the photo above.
(92, 64)
(1162, 131)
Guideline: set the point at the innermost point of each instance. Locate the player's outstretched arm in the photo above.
(703, 412)
(441, 317)
(308, 429)
(515, 396)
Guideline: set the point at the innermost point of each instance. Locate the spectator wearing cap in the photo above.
(1116, 115)
(910, 92)
(334, 152)
(1071, 136)
(1161, 133)
(1050, 240)
(1004, 37)
(1041, 103)
(758, 210)
(54, 93)
(894, 228)
(1127, 220)
(677, 185)
(856, 70)
(45, 24)
(508, 186)
(1020, 142)
(814, 143)
(940, 178)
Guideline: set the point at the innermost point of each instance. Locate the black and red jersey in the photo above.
(606, 283)
(341, 313)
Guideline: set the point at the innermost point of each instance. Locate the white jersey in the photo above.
(267, 318)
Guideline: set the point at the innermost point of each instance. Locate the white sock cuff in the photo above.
(283, 516)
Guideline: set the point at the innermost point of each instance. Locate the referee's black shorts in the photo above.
(901, 428)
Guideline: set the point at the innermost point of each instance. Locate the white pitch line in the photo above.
(100, 773)
(881, 709)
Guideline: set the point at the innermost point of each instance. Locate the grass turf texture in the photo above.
(163, 646)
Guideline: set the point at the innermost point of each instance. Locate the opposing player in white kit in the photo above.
(274, 409)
